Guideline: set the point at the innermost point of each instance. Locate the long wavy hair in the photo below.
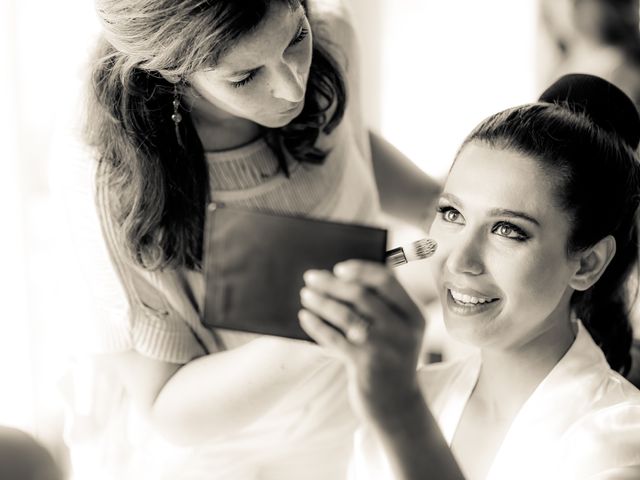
(156, 186)
(597, 181)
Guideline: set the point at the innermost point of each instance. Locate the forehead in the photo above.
(487, 177)
(268, 40)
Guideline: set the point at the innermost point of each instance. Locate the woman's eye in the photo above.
(301, 36)
(450, 215)
(244, 81)
(509, 230)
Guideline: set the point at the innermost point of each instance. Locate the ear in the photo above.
(592, 263)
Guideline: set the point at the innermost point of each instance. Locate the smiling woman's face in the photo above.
(501, 267)
(263, 77)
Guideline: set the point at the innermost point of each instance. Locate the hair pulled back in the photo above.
(597, 182)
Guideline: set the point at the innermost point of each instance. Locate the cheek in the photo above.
(245, 100)
(307, 59)
(439, 258)
(447, 237)
(534, 280)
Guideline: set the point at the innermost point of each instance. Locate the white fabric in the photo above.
(582, 422)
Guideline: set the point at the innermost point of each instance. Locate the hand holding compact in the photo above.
(361, 314)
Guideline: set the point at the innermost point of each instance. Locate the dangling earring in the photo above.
(176, 116)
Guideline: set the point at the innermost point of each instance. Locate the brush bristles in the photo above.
(420, 249)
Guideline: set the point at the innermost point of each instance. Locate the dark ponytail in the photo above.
(585, 132)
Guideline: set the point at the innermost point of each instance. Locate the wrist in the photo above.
(399, 412)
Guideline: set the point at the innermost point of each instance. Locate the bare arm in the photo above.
(414, 443)
(406, 192)
(216, 394)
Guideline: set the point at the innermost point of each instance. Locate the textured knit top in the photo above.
(165, 307)
(158, 314)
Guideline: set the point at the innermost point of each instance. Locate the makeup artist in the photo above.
(538, 249)
(251, 103)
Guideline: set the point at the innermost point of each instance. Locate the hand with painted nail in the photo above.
(361, 314)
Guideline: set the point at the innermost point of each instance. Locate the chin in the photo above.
(471, 333)
(279, 120)
(276, 123)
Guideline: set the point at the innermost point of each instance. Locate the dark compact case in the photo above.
(254, 262)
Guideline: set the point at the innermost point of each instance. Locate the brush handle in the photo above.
(418, 250)
(395, 257)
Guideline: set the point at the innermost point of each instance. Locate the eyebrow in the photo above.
(501, 212)
(240, 73)
(495, 212)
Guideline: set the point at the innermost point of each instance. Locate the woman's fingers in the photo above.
(381, 324)
(370, 287)
(323, 334)
(359, 313)
(381, 279)
(354, 326)
(351, 295)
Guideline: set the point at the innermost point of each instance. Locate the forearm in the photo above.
(221, 393)
(406, 192)
(414, 443)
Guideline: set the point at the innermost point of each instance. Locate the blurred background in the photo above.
(432, 71)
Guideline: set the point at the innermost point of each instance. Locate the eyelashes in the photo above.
(304, 32)
(509, 230)
(244, 81)
(502, 228)
(449, 214)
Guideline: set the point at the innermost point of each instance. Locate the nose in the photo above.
(465, 255)
(287, 84)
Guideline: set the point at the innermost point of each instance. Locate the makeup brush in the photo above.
(418, 250)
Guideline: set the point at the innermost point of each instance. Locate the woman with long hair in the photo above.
(537, 254)
(249, 103)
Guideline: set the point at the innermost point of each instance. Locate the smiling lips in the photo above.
(467, 304)
(463, 298)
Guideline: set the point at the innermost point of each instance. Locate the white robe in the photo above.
(581, 422)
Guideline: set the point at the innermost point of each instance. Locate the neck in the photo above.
(218, 129)
(509, 376)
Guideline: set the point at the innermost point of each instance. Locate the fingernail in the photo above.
(306, 294)
(311, 276)
(341, 269)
